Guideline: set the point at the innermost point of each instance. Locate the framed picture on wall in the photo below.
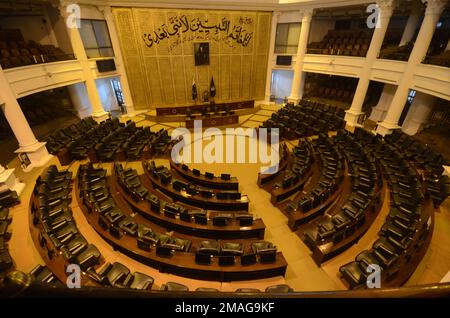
(24, 160)
(201, 53)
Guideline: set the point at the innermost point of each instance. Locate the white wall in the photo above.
(281, 83)
(32, 27)
(106, 94)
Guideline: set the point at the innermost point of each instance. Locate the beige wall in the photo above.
(162, 74)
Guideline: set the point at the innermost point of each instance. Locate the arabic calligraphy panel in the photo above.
(143, 24)
(161, 67)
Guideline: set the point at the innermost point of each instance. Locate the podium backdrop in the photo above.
(158, 51)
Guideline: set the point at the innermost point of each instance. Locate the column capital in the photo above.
(105, 9)
(386, 7)
(276, 14)
(434, 7)
(307, 14)
(62, 5)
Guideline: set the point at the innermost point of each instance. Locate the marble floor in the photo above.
(302, 273)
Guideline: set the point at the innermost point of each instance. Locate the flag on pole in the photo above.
(212, 88)
(194, 90)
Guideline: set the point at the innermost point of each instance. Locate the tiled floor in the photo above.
(302, 273)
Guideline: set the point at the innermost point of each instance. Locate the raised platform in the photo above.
(152, 115)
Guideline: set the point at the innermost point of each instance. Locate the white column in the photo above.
(432, 14)
(412, 23)
(120, 65)
(80, 101)
(297, 86)
(418, 113)
(98, 113)
(379, 111)
(386, 7)
(28, 144)
(272, 55)
(447, 48)
(9, 179)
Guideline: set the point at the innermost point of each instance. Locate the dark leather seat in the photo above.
(209, 247)
(63, 235)
(385, 253)
(222, 219)
(146, 237)
(117, 274)
(177, 244)
(114, 216)
(282, 288)
(129, 226)
(353, 274)
(74, 247)
(6, 261)
(230, 248)
(247, 290)
(206, 290)
(140, 281)
(266, 251)
(244, 219)
(174, 287)
(4, 215)
(89, 257)
(248, 259)
(200, 216)
(42, 274)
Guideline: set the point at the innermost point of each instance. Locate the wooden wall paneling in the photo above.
(154, 81)
(166, 80)
(235, 77)
(247, 76)
(161, 75)
(224, 77)
(126, 32)
(179, 80)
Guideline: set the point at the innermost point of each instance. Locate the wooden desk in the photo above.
(167, 111)
(214, 183)
(197, 200)
(183, 263)
(231, 231)
(213, 121)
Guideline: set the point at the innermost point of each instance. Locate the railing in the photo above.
(24, 288)
(39, 59)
